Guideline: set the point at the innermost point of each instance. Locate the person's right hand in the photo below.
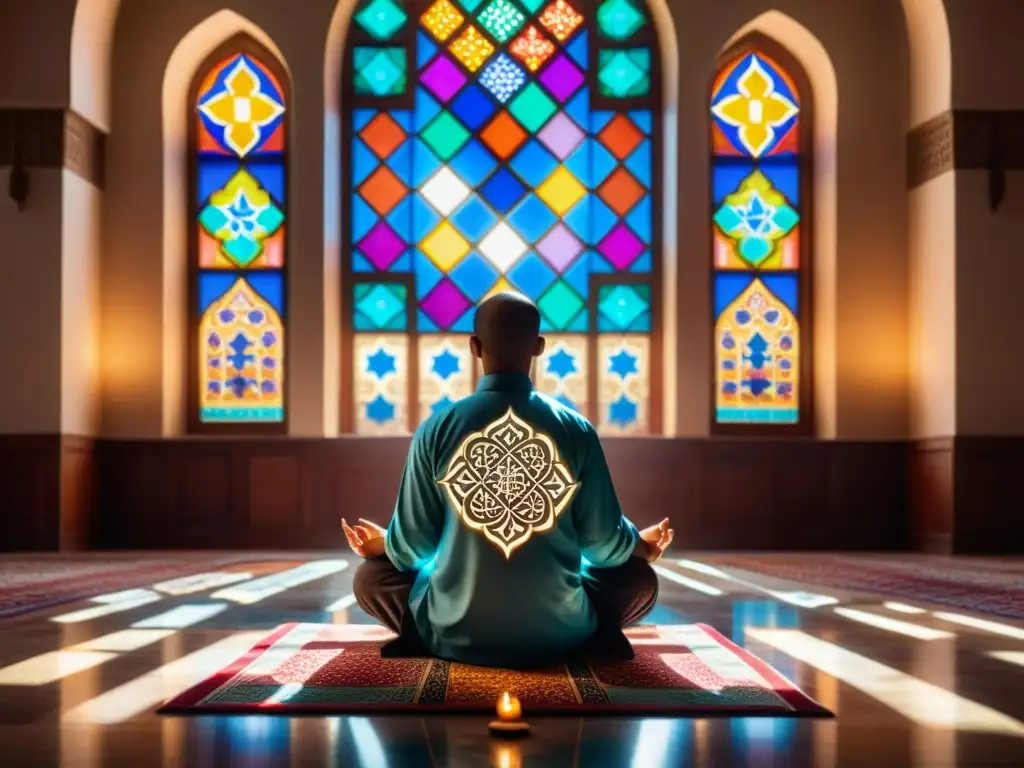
(655, 540)
(366, 540)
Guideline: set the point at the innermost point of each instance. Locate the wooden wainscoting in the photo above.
(287, 492)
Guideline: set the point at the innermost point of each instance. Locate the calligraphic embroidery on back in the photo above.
(508, 482)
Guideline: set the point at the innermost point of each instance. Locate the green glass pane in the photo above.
(445, 135)
(560, 305)
(502, 19)
(532, 107)
(379, 71)
(381, 18)
(623, 304)
(380, 306)
(532, 5)
(625, 73)
(619, 19)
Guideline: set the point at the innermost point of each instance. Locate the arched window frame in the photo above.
(805, 426)
(652, 102)
(239, 44)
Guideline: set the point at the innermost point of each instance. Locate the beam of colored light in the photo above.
(894, 625)
(678, 578)
(200, 582)
(254, 591)
(181, 617)
(342, 604)
(653, 742)
(124, 596)
(903, 608)
(367, 742)
(143, 693)
(1010, 657)
(87, 614)
(50, 667)
(124, 641)
(707, 570)
(916, 700)
(995, 627)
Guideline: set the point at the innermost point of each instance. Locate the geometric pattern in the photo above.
(240, 233)
(757, 223)
(681, 670)
(501, 167)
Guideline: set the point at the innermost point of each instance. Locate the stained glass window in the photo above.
(758, 219)
(510, 147)
(239, 256)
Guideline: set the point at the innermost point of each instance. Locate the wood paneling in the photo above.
(720, 493)
(931, 493)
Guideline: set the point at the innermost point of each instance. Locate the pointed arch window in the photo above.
(760, 190)
(501, 145)
(238, 256)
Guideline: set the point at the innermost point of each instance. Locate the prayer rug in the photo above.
(682, 670)
(982, 585)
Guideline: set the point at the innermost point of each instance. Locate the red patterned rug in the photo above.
(984, 585)
(689, 670)
(35, 583)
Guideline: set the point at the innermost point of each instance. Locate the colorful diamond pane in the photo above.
(562, 78)
(502, 19)
(442, 19)
(624, 306)
(382, 246)
(380, 306)
(503, 77)
(443, 78)
(379, 71)
(381, 18)
(561, 20)
(532, 48)
(560, 305)
(445, 304)
(561, 135)
(625, 73)
(471, 48)
(445, 135)
(383, 135)
(619, 19)
(561, 191)
(532, 107)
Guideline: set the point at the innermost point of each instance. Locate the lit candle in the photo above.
(509, 713)
(509, 709)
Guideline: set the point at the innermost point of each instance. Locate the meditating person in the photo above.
(508, 547)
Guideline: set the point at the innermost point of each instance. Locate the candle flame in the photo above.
(508, 707)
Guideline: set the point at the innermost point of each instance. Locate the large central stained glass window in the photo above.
(498, 145)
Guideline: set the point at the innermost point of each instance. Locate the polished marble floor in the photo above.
(911, 684)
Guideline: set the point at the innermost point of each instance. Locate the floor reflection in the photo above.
(911, 684)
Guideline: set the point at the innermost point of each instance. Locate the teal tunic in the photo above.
(476, 599)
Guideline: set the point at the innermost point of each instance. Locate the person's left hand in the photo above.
(655, 540)
(366, 539)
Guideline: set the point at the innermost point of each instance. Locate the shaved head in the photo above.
(507, 331)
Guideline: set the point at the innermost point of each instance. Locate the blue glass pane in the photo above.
(474, 219)
(361, 117)
(578, 49)
(729, 285)
(213, 175)
(404, 118)
(271, 178)
(503, 191)
(473, 107)
(473, 163)
(579, 323)
(639, 163)
(642, 118)
(424, 218)
(727, 177)
(643, 264)
(424, 324)
(474, 276)
(531, 276)
(363, 218)
(424, 163)
(400, 218)
(425, 49)
(425, 110)
(785, 177)
(269, 285)
(534, 163)
(532, 219)
(363, 161)
(598, 120)
(360, 263)
(402, 264)
(400, 162)
(639, 219)
(465, 323)
(213, 285)
(578, 108)
(578, 275)
(786, 289)
(427, 275)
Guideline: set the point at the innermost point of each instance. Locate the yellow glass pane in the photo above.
(445, 246)
(561, 191)
(471, 48)
(502, 286)
(442, 19)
